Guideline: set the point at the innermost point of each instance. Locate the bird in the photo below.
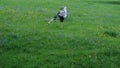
(61, 14)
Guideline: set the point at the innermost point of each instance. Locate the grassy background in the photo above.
(90, 37)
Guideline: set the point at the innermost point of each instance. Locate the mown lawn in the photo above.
(89, 38)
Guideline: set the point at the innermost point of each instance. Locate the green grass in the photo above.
(90, 37)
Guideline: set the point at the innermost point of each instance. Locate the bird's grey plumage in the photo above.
(63, 12)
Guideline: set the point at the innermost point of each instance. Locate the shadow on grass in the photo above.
(107, 2)
(110, 2)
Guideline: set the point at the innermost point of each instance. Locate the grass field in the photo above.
(90, 37)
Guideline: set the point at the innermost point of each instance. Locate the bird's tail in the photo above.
(50, 21)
